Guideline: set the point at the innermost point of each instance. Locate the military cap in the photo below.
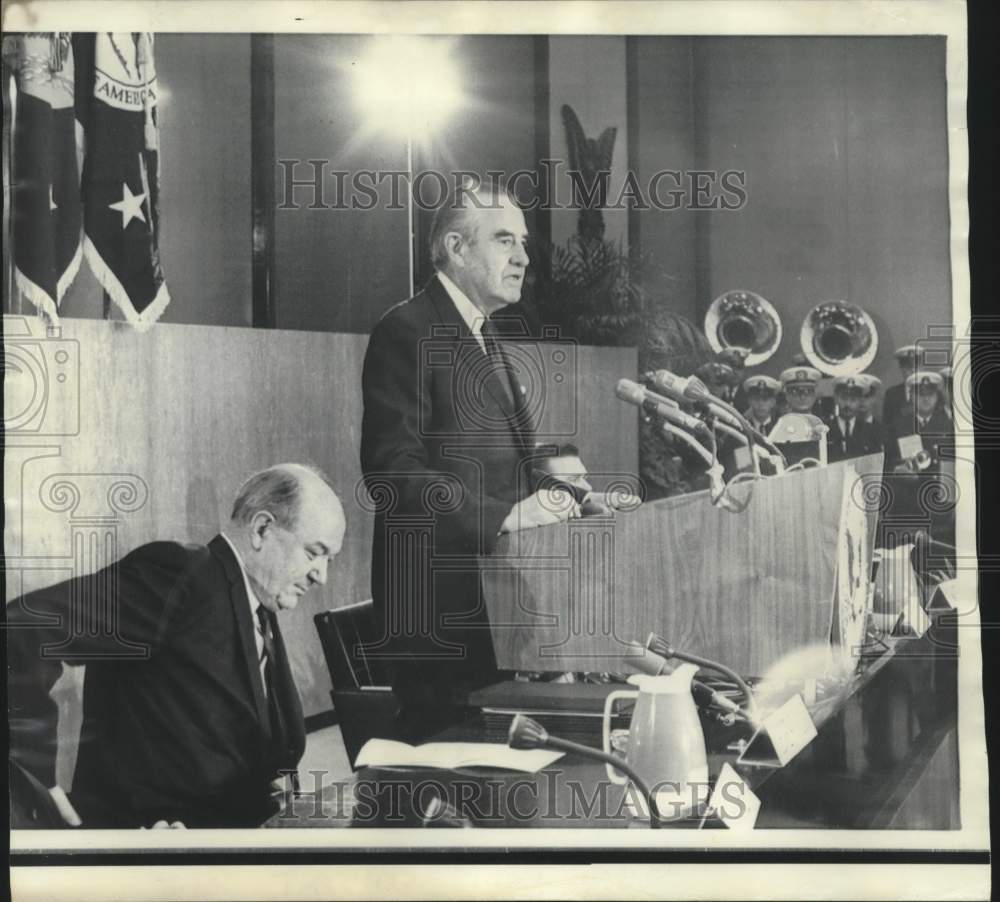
(851, 385)
(924, 377)
(907, 352)
(798, 375)
(761, 383)
(715, 372)
(869, 383)
(945, 372)
(732, 357)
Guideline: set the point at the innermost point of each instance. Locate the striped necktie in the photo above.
(267, 650)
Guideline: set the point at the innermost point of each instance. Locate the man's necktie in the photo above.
(267, 665)
(267, 649)
(498, 363)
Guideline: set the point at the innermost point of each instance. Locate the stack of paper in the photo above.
(453, 755)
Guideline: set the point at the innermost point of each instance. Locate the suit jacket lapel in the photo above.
(244, 625)
(471, 357)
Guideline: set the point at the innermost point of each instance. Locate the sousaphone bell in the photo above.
(743, 320)
(839, 338)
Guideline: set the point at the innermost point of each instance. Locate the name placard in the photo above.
(782, 735)
(732, 801)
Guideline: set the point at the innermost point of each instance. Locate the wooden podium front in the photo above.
(743, 588)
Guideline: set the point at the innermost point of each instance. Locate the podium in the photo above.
(793, 569)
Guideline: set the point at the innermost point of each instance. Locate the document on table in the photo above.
(453, 755)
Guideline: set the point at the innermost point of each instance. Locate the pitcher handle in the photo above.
(613, 773)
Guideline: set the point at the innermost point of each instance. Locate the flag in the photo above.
(45, 172)
(116, 107)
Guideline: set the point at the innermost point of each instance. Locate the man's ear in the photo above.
(260, 525)
(453, 243)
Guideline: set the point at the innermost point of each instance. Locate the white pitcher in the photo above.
(666, 745)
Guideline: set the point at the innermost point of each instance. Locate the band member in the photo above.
(762, 395)
(798, 385)
(850, 435)
(897, 396)
(871, 386)
(718, 377)
(924, 417)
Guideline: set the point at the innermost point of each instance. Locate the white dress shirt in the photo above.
(254, 605)
(469, 312)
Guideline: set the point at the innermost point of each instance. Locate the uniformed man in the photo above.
(850, 435)
(924, 416)
(762, 396)
(718, 378)
(735, 359)
(897, 396)
(871, 386)
(798, 385)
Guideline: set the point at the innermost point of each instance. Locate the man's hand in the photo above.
(163, 825)
(64, 806)
(544, 507)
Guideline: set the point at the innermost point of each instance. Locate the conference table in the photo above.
(885, 756)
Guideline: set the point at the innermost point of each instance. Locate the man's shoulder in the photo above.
(170, 560)
(415, 311)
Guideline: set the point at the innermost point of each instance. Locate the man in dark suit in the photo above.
(871, 386)
(189, 708)
(925, 417)
(446, 449)
(762, 395)
(896, 399)
(849, 435)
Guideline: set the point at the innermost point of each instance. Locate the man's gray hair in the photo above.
(278, 490)
(457, 214)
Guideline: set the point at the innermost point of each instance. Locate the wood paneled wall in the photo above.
(183, 414)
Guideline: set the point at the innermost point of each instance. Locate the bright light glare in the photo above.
(407, 85)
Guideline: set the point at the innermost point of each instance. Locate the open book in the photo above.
(453, 755)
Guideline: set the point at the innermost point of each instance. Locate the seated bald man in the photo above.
(189, 708)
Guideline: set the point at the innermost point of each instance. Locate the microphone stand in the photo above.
(659, 646)
(526, 733)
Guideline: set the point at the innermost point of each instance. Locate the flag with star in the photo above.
(116, 106)
(47, 212)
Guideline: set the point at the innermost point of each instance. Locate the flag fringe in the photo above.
(70, 273)
(37, 295)
(116, 291)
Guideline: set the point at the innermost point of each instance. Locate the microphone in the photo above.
(653, 664)
(526, 733)
(661, 647)
(650, 402)
(692, 390)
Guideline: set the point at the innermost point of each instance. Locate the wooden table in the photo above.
(886, 756)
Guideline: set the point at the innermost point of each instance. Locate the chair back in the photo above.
(365, 704)
(346, 634)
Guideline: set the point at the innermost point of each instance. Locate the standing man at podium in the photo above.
(445, 450)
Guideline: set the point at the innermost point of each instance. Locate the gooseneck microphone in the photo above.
(526, 733)
(693, 391)
(661, 647)
(652, 403)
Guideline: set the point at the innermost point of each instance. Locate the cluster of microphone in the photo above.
(685, 408)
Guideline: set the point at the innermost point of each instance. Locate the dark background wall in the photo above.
(844, 145)
(335, 270)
